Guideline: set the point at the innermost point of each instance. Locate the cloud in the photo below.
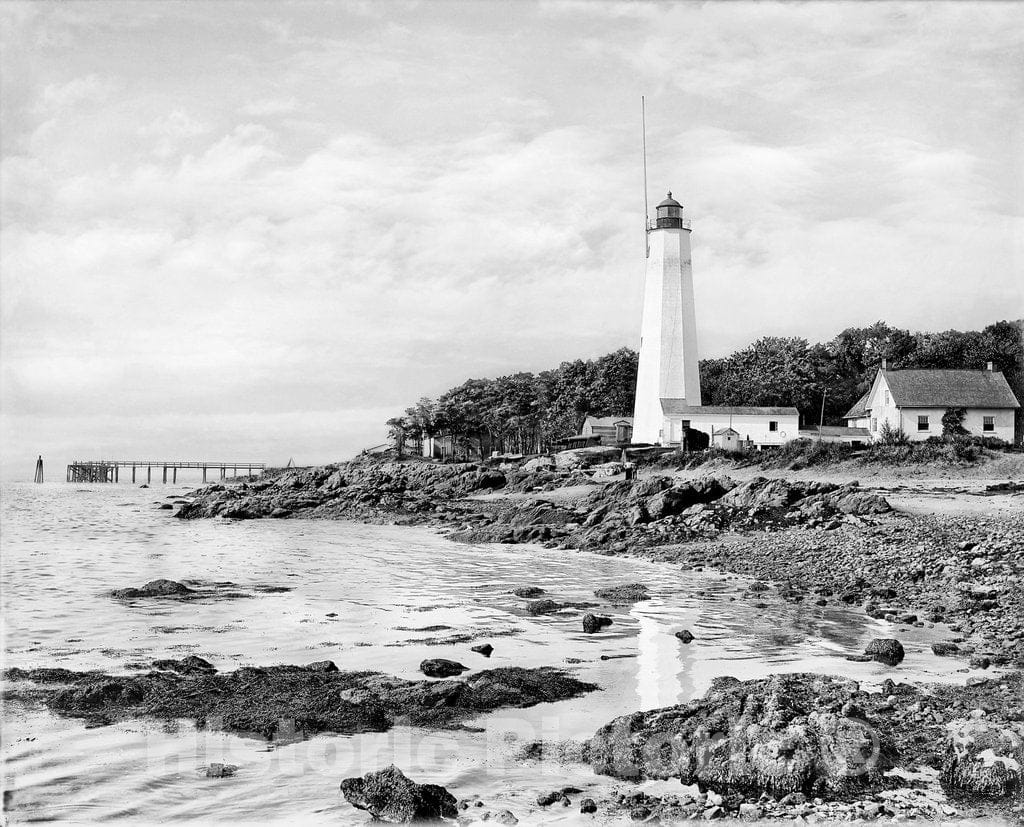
(305, 222)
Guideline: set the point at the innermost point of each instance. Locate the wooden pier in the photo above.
(109, 470)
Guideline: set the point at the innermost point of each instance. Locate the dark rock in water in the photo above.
(549, 798)
(885, 650)
(985, 757)
(441, 668)
(860, 658)
(528, 591)
(271, 589)
(944, 648)
(628, 593)
(155, 588)
(143, 485)
(186, 666)
(594, 623)
(588, 805)
(484, 649)
(220, 770)
(165, 506)
(543, 607)
(257, 700)
(776, 735)
(322, 666)
(392, 797)
(684, 635)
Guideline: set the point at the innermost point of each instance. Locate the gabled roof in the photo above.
(860, 407)
(724, 431)
(679, 406)
(607, 421)
(949, 389)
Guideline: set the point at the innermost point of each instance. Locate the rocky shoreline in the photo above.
(815, 541)
(798, 748)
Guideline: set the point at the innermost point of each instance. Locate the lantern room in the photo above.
(669, 215)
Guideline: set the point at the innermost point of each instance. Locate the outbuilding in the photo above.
(761, 426)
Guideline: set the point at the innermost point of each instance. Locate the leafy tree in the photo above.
(525, 412)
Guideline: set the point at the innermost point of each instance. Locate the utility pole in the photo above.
(821, 421)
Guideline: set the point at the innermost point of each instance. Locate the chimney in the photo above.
(989, 366)
(885, 364)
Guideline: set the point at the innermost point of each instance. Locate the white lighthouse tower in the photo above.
(668, 331)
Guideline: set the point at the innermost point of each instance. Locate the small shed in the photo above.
(612, 430)
(728, 439)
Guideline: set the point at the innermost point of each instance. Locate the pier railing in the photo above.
(109, 470)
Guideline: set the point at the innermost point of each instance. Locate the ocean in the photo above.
(65, 546)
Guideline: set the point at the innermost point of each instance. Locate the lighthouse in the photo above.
(668, 330)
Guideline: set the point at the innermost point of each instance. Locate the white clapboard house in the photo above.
(915, 401)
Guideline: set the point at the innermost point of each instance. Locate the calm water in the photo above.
(64, 546)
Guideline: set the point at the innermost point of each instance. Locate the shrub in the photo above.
(953, 422)
(888, 435)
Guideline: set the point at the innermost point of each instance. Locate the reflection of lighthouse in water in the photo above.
(664, 664)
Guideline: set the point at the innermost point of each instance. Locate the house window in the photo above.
(922, 423)
(874, 424)
(887, 398)
(685, 423)
(773, 425)
(988, 423)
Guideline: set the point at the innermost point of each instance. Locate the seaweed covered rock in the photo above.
(985, 758)
(260, 700)
(155, 588)
(390, 796)
(885, 650)
(780, 734)
(594, 623)
(188, 665)
(627, 593)
(441, 668)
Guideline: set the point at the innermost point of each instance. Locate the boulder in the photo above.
(588, 805)
(441, 668)
(216, 770)
(637, 515)
(859, 503)
(648, 487)
(484, 649)
(594, 623)
(528, 591)
(777, 735)
(543, 607)
(761, 492)
(684, 635)
(389, 796)
(155, 588)
(985, 757)
(627, 593)
(885, 650)
(585, 457)
(539, 464)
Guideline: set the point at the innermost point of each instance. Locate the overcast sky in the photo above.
(259, 230)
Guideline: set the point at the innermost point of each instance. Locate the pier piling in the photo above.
(39, 469)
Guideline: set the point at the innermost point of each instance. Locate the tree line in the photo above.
(527, 412)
